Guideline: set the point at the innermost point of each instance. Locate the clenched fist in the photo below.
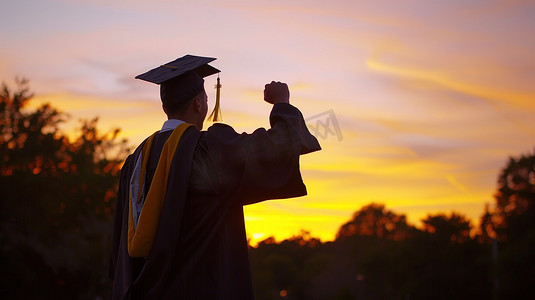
(276, 92)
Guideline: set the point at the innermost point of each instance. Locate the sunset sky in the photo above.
(431, 97)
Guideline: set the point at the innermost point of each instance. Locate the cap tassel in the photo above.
(216, 114)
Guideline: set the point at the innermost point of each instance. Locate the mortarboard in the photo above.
(182, 79)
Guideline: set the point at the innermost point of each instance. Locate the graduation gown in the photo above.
(200, 247)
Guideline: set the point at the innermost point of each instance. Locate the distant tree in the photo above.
(56, 205)
(486, 233)
(454, 228)
(369, 255)
(283, 270)
(375, 220)
(514, 214)
(512, 224)
(452, 264)
(20, 131)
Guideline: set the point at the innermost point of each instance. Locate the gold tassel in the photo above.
(216, 114)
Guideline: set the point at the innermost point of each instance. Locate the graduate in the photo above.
(178, 229)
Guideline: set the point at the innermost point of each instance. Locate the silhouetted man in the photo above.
(179, 230)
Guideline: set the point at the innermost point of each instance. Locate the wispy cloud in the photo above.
(491, 93)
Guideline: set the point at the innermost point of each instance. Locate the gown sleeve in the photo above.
(122, 196)
(263, 165)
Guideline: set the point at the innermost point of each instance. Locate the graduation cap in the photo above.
(182, 79)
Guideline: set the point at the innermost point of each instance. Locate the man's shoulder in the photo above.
(220, 126)
(219, 130)
(131, 158)
(219, 136)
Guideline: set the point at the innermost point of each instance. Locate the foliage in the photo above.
(375, 220)
(512, 224)
(373, 260)
(514, 216)
(56, 206)
(454, 228)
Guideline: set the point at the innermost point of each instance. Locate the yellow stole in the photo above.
(141, 238)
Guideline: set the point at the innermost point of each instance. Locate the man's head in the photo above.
(182, 87)
(184, 97)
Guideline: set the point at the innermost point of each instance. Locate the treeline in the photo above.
(58, 196)
(377, 255)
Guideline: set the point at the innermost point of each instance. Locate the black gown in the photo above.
(200, 247)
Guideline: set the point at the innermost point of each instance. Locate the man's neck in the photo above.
(170, 124)
(187, 118)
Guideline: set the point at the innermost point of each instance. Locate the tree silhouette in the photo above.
(454, 228)
(282, 270)
(514, 216)
(375, 220)
(56, 203)
(512, 224)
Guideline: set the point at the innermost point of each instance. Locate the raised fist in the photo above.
(276, 92)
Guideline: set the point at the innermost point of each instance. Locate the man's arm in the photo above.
(278, 94)
(264, 164)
